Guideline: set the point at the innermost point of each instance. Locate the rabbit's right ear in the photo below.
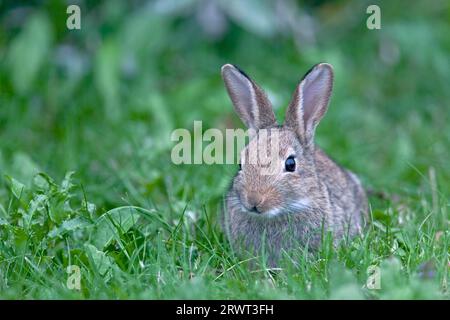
(250, 102)
(310, 102)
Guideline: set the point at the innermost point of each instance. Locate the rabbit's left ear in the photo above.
(250, 102)
(310, 102)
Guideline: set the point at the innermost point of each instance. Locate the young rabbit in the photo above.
(306, 193)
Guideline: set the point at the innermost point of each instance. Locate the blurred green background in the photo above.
(103, 100)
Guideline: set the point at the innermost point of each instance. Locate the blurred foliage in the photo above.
(102, 101)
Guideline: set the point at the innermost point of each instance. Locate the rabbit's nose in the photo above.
(254, 201)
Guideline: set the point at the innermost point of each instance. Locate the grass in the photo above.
(87, 178)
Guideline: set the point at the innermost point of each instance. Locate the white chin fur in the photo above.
(297, 206)
(272, 212)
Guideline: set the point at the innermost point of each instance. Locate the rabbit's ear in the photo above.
(250, 102)
(310, 101)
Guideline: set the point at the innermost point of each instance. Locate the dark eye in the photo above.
(240, 167)
(289, 165)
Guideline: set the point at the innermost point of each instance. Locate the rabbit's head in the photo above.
(278, 173)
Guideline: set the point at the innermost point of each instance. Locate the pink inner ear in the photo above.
(316, 90)
(240, 91)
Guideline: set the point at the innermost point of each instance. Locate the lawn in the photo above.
(86, 178)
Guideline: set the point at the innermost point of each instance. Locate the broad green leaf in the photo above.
(36, 205)
(113, 223)
(66, 184)
(101, 261)
(17, 187)
(43, 181)
(69, 225)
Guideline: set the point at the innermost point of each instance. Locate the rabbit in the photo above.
(307, 193)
